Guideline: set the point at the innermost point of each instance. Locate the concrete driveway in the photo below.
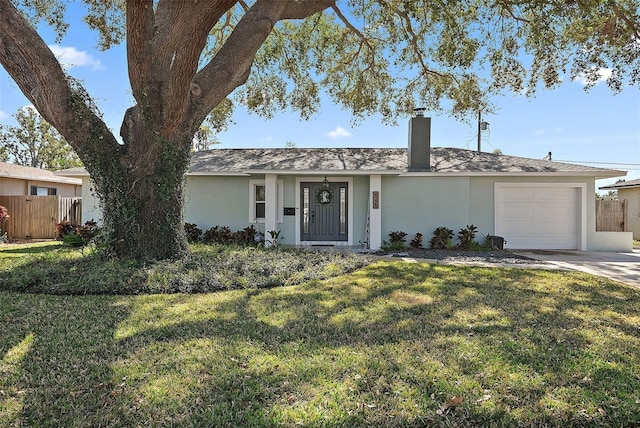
(622, 267)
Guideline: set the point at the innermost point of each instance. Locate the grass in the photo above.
(392, 344)
(636, 243)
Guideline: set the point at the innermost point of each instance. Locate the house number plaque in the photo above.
(376, 199)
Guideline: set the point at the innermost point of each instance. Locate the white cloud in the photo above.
(603, 75)
(543, 131)
(3, 115)
(339, 132)
(71, 57)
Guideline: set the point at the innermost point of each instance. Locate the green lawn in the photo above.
(392, 344)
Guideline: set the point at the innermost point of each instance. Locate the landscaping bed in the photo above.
(53, 268)
(462, 256)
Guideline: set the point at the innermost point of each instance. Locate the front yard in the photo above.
(391, 344)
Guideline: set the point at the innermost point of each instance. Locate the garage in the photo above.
(544, 216)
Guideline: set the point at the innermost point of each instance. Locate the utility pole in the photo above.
(479, 135)
(482, 126)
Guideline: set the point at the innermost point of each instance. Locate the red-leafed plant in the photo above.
(4, 214)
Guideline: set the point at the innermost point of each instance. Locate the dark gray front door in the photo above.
(324, 212)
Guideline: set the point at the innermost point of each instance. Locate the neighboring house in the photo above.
(629, 190)
(37, 199)
(16, 180)
(351, 197)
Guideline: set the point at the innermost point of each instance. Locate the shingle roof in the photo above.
(443, 160)
(10, 170)
(622, 184)
(370, 160)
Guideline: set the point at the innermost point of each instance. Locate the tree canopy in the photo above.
(34, 142)
(187, 59)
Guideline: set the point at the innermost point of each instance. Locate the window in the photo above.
(343, 211)
(43, 191)
(258, 201)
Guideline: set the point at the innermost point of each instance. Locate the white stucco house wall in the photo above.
(356, 196)
(629, 191)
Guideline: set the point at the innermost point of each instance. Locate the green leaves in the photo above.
(34, 142)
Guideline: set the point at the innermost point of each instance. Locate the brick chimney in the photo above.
(419, 141)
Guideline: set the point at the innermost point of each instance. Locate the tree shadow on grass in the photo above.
(417, 333)
(64, 378)
(389, 345)
(29, 249)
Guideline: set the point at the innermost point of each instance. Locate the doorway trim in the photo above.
(330, 179)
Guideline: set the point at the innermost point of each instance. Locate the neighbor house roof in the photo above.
(621, 184)
(450, 161)
(383, 161)
(9, 170)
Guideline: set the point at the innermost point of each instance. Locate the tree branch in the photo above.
(183, 28)
(414, 42)
(140, 22)
(39, 76)
(508, 7)
(231, 65)
(634, 26)
(363, 40)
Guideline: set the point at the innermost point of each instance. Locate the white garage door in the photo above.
(538, 217)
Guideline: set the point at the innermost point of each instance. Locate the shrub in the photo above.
(73, 240)
(246, 236)
(218, 235)
(192, 231)
(64, 228)
(76, 235)
(397, 237)
(4, 214)
(88, 231)
(441, 239)
(416, 242)
(467, 236)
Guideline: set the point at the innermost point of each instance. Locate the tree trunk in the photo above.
(142, 201)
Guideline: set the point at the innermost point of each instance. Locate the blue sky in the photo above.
(593, 128)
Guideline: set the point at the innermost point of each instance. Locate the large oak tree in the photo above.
(188, 58)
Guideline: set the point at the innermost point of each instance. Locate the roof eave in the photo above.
(58, 180)
(600, 174)
(323, 172)
(80, 174)
(614, 187)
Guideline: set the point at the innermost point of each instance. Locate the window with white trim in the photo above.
(258, 201)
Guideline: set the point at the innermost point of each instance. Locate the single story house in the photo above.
(37, 199)
(629, 191)
(17, 180)
(356, 196)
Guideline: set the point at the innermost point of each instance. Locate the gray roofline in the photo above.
(425, 173)
(374, 161)
(620, 186)
(519, 174)
(19, 172)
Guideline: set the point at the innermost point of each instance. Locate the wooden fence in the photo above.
(611, 216)
(35, 217)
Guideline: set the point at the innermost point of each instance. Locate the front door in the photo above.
(324, 212)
